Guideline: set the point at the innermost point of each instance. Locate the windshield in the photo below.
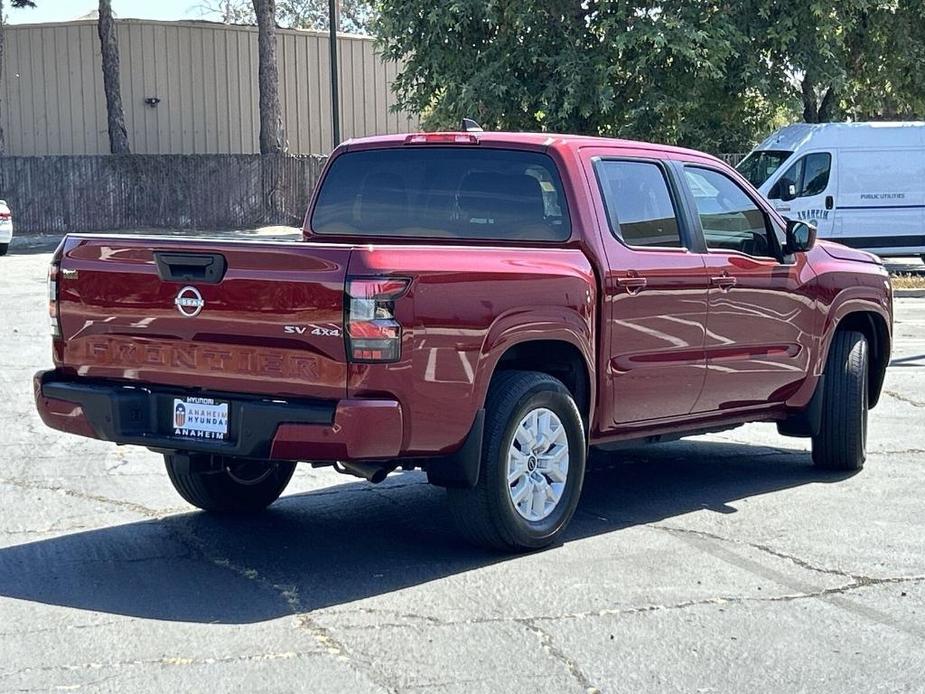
(758, 166)
(451, 192)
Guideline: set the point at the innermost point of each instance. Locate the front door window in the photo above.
(730, 219)
(809, 176)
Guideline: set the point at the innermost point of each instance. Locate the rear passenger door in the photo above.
(655, 290)
(762, 308)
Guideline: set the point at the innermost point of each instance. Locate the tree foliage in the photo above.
(354, 15)
(715, 74)
(858, 59)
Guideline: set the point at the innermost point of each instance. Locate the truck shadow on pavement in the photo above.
(353, 541)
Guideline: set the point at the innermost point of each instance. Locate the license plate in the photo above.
(200, 418)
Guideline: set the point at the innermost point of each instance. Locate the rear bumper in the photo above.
(6, 232)
(260, 427)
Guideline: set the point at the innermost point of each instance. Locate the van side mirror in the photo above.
(800, 237)
(788, 190)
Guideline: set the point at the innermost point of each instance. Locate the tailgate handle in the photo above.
(208, 268)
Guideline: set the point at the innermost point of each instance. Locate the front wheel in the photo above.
(841, 443)
(4, 247)
(228, 485)
(532, 469)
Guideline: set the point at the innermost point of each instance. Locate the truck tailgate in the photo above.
(261, 318)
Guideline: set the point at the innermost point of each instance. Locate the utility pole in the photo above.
(335, 99)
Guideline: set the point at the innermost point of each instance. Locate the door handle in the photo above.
(724, 282)
(633, 285)
(829, 202)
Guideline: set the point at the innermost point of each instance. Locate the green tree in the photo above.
(854, 59)
(228, 11)
(638, 69)
(355, 15)
(714, 74)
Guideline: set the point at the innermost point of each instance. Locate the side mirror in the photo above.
(788, 190)
(800, 237)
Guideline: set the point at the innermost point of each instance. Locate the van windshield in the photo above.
(759, 166)
(443, 192)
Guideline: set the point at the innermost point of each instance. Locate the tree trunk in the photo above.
(271, 119)
(810, 112)
(118, 137)
(827, 106)
(2, 27)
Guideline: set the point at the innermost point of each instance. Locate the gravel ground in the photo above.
(724, 563)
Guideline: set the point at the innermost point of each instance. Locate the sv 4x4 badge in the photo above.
(311, 330)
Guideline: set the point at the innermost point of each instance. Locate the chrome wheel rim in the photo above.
(537, 464)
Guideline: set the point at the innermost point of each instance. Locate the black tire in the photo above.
(842, 439)
(227, 485)
(486, 515)
(4, 247)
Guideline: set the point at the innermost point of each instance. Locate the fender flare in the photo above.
(538, 324)
(807, 421)
(854, 300)
(546, 324)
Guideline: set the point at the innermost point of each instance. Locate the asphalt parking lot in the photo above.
(724, 563)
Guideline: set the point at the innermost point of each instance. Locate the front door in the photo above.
(762, 311)
(811, 182)
(655, 292)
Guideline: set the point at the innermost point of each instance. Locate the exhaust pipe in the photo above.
(368, 471)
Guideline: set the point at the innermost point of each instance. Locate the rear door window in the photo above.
(638, 203)
(443, 192)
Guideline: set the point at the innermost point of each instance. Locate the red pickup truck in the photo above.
(482, 306)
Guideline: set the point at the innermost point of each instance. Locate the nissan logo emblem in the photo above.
(189, 302)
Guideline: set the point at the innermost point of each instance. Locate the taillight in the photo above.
(5, 216)
(53, 313)
(371, 331)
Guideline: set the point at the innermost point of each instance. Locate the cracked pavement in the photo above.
(723, 563)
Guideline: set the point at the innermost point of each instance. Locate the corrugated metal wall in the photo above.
(205, 76)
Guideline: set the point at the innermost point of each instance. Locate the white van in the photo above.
(861, 184)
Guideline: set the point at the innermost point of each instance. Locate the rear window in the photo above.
(451, 192)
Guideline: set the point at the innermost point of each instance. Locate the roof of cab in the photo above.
(537, 140)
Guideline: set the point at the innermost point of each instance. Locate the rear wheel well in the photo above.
(874, 328)
(560, 360)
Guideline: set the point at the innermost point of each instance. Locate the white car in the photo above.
(6, 227)
(861, 184)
